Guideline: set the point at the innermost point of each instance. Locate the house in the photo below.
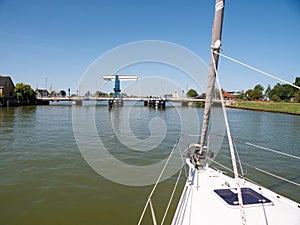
(40, 93)
(7, 87)
(228, 96)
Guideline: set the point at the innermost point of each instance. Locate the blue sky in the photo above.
(58, 40)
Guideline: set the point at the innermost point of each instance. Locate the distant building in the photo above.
(228, 96)
(40, 93)
(7, 87)
(175, 94)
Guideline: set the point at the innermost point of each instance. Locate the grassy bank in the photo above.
(279, 107)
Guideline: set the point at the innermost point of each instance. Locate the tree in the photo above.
(283, 91)
(297, 91)
(203, 95)
(192, 93)
(288, 91)
(275, 98)
(268, 92)
(297, 81)
(1, 98)
(100, 93)
(297, 96)
(258, 92)
(63, 93)
(25, 93)
(241, 95)
(276, 91)
(249, 94)
(53, 94)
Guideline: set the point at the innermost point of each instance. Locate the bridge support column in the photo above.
(78, 102)
(184, 103)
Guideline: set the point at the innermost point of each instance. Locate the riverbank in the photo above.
(15, 102)
(276, 107)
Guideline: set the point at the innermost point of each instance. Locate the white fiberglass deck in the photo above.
(199, 204)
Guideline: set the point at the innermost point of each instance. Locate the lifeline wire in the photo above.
(258, 169)
(271, 150)
(261, 147)
(257, 70)
(158, 179)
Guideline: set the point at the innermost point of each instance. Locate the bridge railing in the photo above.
(91, 98)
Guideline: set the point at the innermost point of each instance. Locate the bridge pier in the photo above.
(116, 102)
(155, 103)
(77, 102)
(184, 103)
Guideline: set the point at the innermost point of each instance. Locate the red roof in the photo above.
(227, 95)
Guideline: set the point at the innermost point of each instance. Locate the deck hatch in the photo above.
(250, 196)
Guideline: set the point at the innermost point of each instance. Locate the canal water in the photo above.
(46, 179)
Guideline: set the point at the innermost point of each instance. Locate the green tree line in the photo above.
(280, 92)
(25, 93)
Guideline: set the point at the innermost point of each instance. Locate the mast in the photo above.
(216, 44)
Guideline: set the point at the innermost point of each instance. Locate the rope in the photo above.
(239, 160)
(171, 198)
(192, 195)
(256, 168)
(257, 70)
(152, 212)
(233, 159)
(273, 175)
(271, 150)
(214, 161)
(158, 179)
(261, 147)
(192, 135)
(183, 162)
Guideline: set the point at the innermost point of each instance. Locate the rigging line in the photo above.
(192, 199)
(193, 135)
(152, 212)
(171, 198)
(271, 150)
(182, 154)
(233, 159)
(257, 70)
(239, 160)
(246, 178)
(158, 179)
(273, 175)
(264, 210)
(261, 147)
(225, 167)
(256, 168)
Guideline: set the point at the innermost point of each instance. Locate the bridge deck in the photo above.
(110, 98)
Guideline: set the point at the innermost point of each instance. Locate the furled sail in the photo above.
(216, 44)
